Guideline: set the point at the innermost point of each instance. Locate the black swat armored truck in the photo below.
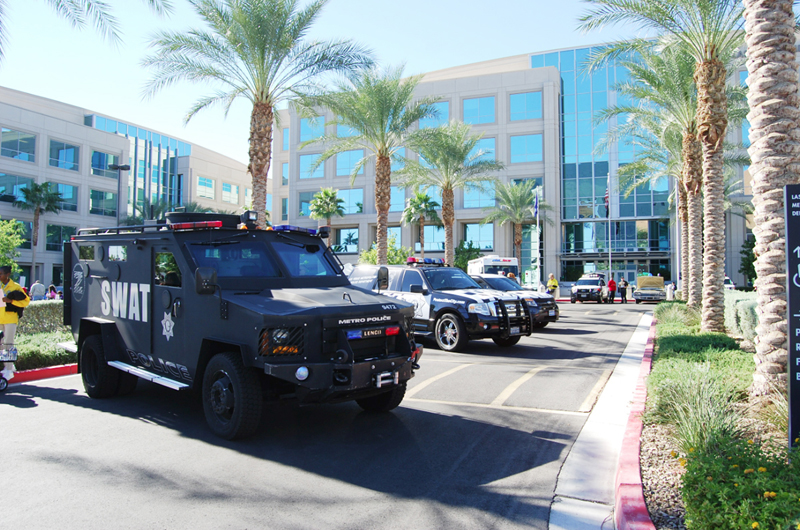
(206, 302)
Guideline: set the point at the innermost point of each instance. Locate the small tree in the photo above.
(748, 263)
(397, 255)
(465, 253)
(326, 204)
(419, 208)
(39, 198)
(10, 240)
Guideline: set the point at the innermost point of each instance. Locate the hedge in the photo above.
(741, 317)
(45, 316)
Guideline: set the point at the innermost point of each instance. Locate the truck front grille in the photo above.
(282, 342)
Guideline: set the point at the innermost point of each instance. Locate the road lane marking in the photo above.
(435, 378)
(588, 403)
(495, 407)
(510, 389)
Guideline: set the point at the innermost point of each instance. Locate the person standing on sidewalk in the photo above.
(14, 300)
(38, 291)
(552, 285)
(623, 289)
(612, 290)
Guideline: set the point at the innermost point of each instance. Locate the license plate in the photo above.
(552, 313)
(373, 333)
(584, 295)
(514, 331)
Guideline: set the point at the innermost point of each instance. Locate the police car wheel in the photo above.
(571, 300)
(450, 333)
(231, 397)
(540, 325)
(384, 402)
(99, 379)
(505, 342)
(3, 384)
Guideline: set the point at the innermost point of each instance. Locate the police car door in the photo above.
(168, 324)
(422, 303)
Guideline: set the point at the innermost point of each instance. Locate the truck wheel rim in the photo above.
(448, 333)
(221, 396)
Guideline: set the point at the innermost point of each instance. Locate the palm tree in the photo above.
(38, 198)
(255, 50)
(379, 108)
(710, 31)
(772, 76)
(149, 210)
(419, 208)
(450, 160)
(77, 11)
(325, 205)
(515, 204)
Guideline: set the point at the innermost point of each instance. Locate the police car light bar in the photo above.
(198, 224)
(292, 228)
(424, 261)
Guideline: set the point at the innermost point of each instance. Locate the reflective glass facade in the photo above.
(17, 144)
(479, 110)
(441, 118)
(353, 200)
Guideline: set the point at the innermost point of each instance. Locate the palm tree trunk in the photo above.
(518, 244)
(712, 119)
(774, 150)
(693, 181)
(260, 151)
(422, 236)
(383, 201)
(330, 234)
(683, 216)
(448, 217)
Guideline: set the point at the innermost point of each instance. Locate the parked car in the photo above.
(590, 287)
(545, 309)
(728, 283)
(649, 289)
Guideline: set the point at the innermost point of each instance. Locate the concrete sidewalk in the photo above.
(586, 491)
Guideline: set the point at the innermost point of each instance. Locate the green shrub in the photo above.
(740, 313)
(42, 316)
(39, 350)
(739, 484)
(672, 345)
(747, 318)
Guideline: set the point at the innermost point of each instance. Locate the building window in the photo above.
(69, 196)
(442, 116)
(306, 161)
(344, 131)
(11, 187)
(248, 199)
(305, 203)
(103, 203)
(481, 236)
(346, 162)
(64, 155)
(396, 233)
(487, 147)
(100, 163)
(479, 197)
(479, 110)
(399, 159)
(353, 200)
(27, 231)
(347, 240)
(230, 193)
(435, 193)
(19, 145)
(205, 187)
(268, 206)
(284, 209)
(398, 199)
(526, 148)
(434, 239)
(311, 128)
(57, 235)
(286, 139)
(527, 106)
(285, 174)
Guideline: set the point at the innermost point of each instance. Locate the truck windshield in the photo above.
(235, 259)
(588, 282)
(504, 269)
(449, 279)
(305, 260)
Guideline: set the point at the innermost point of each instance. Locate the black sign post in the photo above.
(792, 202)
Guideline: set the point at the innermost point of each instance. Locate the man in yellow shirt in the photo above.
(552, 284)
(15, 299)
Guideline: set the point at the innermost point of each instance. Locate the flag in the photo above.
(608, 208)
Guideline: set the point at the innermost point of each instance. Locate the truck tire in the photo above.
(127, 383)
(231, 397)
(99, 379)
(506, 342)
(384, 402)
(450, 333)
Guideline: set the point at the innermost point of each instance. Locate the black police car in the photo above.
(542, 305)
(241, 314)
(449, 305)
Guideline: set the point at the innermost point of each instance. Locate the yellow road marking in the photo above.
(587, 404)
(510, 389)
(433, 379)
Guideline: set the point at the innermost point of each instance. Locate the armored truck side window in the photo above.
(167, 271)
(117, 253)
(86, 252)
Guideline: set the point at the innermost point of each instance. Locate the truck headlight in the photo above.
(531, 302)
(482, 308)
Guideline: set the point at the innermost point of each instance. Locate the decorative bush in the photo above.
(42, 317)
(40, 350)
(740, 313)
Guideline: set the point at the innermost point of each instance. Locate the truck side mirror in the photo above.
(205, 280)
(417, 288)
(383, 278)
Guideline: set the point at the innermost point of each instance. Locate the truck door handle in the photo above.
(176, 308)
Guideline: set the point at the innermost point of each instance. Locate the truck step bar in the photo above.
(147, 376)
(68, 346)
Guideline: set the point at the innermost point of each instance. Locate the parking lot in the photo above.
(477, 443)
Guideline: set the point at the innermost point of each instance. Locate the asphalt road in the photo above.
(477, 443)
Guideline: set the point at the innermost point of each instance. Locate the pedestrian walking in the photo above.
(38, 291)
(623, 290)
(14, 300)
(612, 290)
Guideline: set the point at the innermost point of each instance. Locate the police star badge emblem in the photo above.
(166, 325)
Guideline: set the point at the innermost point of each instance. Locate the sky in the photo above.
(47, 57)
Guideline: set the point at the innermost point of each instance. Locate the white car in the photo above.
(728, 283)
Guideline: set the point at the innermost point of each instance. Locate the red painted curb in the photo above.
(26, 376)
(630, 510)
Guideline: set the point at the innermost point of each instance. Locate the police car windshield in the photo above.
(235, 259)
(503, 284)
(449, 279)
(588, 282)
